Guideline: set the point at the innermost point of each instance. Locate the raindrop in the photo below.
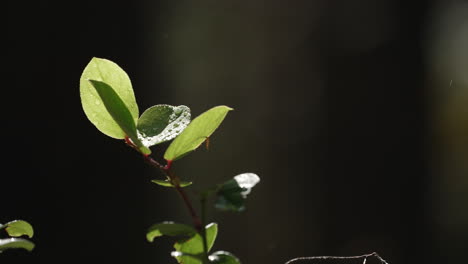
(97, 102)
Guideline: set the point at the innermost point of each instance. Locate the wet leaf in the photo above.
(169, 229)
(196, 132)
(233, 193)
(161, 123)
(110, 73)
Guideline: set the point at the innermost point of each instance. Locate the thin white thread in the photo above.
(374, 254)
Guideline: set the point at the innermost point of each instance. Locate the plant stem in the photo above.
(197, 223)
(167, 170)
(203, 220)
(196, 220)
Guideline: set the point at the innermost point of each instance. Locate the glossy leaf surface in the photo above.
(161, 123)
(194, 245)
(167, 183)
(233, 193)
(196, 132)
(169, 229)
(19, 228)
(110, 73)
(119, 112)
(8, 243)
(223, 257)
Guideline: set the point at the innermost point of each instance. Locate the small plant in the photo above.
(16, 229)
(108, 101)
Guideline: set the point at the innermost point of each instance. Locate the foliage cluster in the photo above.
(109, 102)
(14, 231)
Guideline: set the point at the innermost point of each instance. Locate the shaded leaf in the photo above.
(161, 123)
(233, 193)
(19, 228)
(223, 257)
(110, 73)
(196, 132)
(8, 243)
(194, 245)
(167, 183)
(169, 229)
(119, 112)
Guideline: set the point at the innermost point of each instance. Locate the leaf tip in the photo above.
(149, 238)
(227, 107)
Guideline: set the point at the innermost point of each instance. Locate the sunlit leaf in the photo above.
(185, 258)
(233, 193)
(8, 243)
(19, 228)
(110, 73)
(196, 132)
(194, 245)
(162, 123)
(119, 112)
(169, 229)
(167, 183)
(223, 257)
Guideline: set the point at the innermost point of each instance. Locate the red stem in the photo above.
(174, 180)
(196, 220)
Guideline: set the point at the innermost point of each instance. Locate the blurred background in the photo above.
(353, 113)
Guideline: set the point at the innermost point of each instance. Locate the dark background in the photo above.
(337, 108)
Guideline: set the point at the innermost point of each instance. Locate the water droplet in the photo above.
(97, 102)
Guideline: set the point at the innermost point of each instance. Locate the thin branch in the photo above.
(363, 257)
(203, 222)
(174, 181)
(196, 220)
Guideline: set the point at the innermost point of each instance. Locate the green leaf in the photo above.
(223, 257)
(110, 73)
(8, 243)
(119, 112)
(194, 245)
(161, 123)
(196, 132)
(233, 193)
(169, 229)
(167, 183)
(19, 228)
(187, 258)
